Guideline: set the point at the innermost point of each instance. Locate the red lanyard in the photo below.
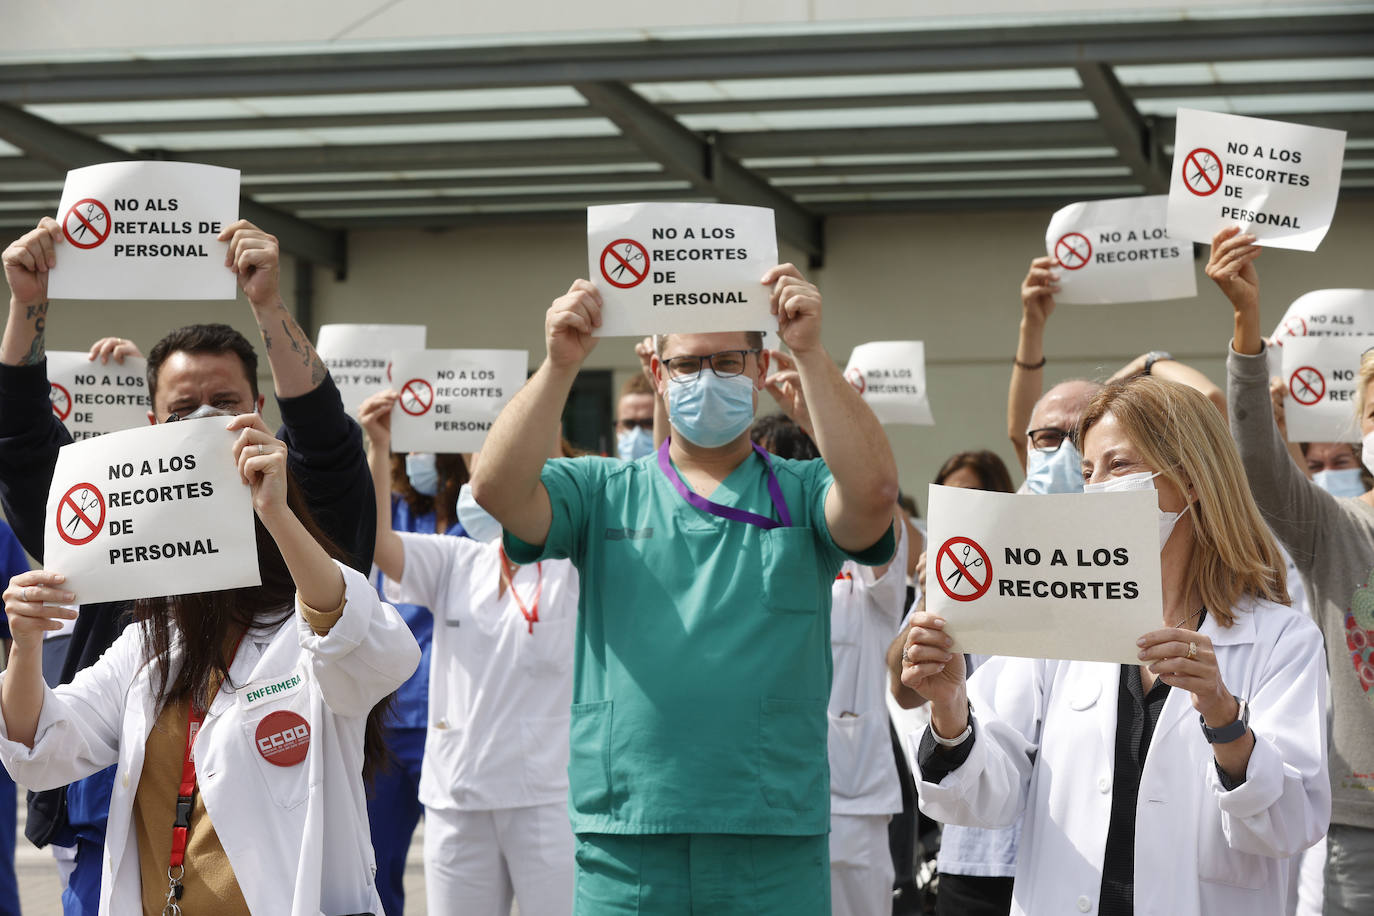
(508, 571)
(186, 794)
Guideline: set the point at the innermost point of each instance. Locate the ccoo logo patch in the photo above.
(283, 738)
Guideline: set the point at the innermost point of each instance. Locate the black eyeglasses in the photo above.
(1047, 438)
(725, 364)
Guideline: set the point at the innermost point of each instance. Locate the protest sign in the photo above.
(1274, 179)
(890, 375)
(359, 356)
(681, 268)
(449, 398)
(1085, 587)
(1327, 313)
(145, 230)
(93, 398)
(1322, 375)
(153, 511)
(1118, 251)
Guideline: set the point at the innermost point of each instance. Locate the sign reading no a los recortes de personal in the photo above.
(681, 267)
(1118, 251)
(1085, 587)
(1276, 180)
(153, 511)
(447, 400)
(92, 398)
(145, 230)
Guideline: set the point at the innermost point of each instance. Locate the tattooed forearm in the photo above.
(38, 349)
(317, 370)
(285, 326)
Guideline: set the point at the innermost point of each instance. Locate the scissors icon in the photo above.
(92, 216)
(631, 254)
(956, 577)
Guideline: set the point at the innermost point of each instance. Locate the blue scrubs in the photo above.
(12, 563)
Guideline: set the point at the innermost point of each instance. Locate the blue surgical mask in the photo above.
(423, 474)
(1059, 471)
(1341, 483)
(476, 521)
(634, 443)
(711, 411)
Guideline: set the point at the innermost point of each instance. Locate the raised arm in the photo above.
(375, 416)
(1171, 370)
(255, 256)
(1028, 369)
(858, 508)
(506, 482)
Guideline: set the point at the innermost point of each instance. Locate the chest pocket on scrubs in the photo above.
(789, 570)
(276, 727)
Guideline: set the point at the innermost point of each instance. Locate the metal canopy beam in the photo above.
(1129, 132)
(701, 162)
(1148, 42)
(62, 149)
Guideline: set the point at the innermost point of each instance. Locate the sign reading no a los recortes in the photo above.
(1321, 375)
(681, 267)
(152, 511)
(1085, 588)
(447, 400)
(93, 398)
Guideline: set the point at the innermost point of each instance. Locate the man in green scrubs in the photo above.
(699, 782)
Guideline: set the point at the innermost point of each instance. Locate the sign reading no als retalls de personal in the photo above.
(681, 267)
(153, 511)
(1276, 180)
(145, 230)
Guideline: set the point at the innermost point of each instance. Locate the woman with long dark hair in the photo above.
(243, 722)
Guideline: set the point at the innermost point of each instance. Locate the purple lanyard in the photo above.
(730, 512)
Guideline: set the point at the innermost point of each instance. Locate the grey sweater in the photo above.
(1331, 542)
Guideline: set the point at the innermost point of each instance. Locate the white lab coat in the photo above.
(1045, 741)
(500, 691)
(297, 837)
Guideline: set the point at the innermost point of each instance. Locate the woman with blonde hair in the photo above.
(1131, 804)
(1331, 541)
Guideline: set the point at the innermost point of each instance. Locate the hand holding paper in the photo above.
(255, 257)
(28, 260)
(797, 305)
(1232, 268)
(569, 326)
(261, 460)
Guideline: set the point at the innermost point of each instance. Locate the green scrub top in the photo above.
(702, 666)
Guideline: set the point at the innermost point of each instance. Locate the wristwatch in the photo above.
(1228, 733)
(1153, 357)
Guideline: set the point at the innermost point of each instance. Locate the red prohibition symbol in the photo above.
(1202, 172)
(1073, 251)
(1307, 386)
(87, 223)
(855, 378)
(624, 263)
(78, 522)
(417, 397)
(61, 401)
(959, 573)
(1294, 326)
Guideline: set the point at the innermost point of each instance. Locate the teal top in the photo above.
(702, 666)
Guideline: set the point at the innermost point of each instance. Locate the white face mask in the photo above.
(1367, 452)
(1342, 483)
(1141, 481)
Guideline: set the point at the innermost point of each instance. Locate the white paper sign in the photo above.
(153, 511)
(359, 356)
(681, 268)
(1274, 179)
(93, 398)
(145, 230)
(1118, 251)
(1327, 313)
(1322, 377)
(1010, 582)
(449, 398)
(891, 377)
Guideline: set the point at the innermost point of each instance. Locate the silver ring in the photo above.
(907, 658)
(26, 592)
(262, 449)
